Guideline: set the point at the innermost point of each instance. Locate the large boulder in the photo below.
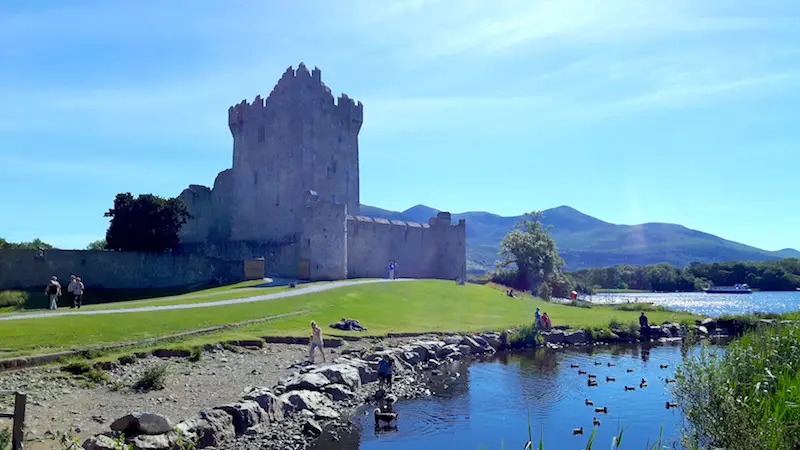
(340, 374)
(100, 442)
(142, 423)
(413, 358)
(367, 373)
(576, 337)
(338, 392)
(275, 408)
(554, 337)
(453, 340)
(311, 428)
(447, 350)
(493, 339)
(477, 346)
(246, 415)
(208, 428)
(312, 381)
(318, 404)
(164, 441)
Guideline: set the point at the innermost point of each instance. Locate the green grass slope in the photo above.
(585, 241)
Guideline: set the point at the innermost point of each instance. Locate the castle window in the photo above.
(333, 167)
(262, 134)
(255, 177)
(308, 242)
(340, 138)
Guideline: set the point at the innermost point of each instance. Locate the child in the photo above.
(385, 372)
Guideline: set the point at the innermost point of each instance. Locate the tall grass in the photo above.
(640, 307)
(747, 397)
(13, 299)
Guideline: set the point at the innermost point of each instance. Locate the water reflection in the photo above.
(712, 304)
(491, 402)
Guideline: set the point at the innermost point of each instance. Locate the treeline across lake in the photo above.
(783, 275)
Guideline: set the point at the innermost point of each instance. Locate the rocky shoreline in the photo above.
(283, 403)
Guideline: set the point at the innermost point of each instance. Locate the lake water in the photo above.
(712, 304)
(488, 404)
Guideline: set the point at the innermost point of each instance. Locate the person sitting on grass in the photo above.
(385, 372)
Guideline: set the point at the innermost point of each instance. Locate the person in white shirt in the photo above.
(77, 293)
(71, 289)
(316, 341)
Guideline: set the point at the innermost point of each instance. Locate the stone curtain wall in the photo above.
(435, 250)
(281, 258)
(21, 269)
(324, 241)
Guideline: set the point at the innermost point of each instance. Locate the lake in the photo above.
(712, 304)
(488, 404)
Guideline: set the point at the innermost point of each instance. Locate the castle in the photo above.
(292, 196)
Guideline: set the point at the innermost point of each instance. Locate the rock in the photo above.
(340, 374)
(246, 415)
(447, 350)
(702, 330)
(493, 339)
(412, 358)
(100, 442)
(709, 323)
(453, 340)
(766, 322)
(338, 392)
(365, 372)
(554, 337)
(208, 428)
(433, 364)
(142, 423)
(481, 341)
(666, 333)
(171, 353)
(312, 381)
(317, 403)
(465, 349)
(276, 408)
(576, 337)
(312, 428)
(154, 442)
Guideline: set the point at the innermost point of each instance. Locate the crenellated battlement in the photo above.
(298, 86)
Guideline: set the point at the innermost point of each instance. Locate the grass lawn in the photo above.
(411, 306)
(238, 290)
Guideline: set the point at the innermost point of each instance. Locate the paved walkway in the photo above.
(235, 301)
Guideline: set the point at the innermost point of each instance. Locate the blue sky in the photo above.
(629, 110)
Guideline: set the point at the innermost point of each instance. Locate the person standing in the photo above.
(392, 266)
(538, 317)
(316, 342)
(53, 291)
(71, 289)
(77, 293)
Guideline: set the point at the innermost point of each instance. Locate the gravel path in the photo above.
(235, 301)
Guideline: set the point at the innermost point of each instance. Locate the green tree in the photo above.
(148, 223)
(32, 245)
(99, 244)
(533, 251)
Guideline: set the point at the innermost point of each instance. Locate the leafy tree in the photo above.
(32, 245)
(148, 223)
(530, 248)
(99, 244)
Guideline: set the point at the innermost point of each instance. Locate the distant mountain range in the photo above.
(584, 241)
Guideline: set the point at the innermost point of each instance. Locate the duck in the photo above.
(581, 372)
(610, 379)
(670, 380)
(592, 376)
(592, 383)
(574, 366)
(611, 365)
(643, 384)
(595, 422)
(671, 405)
(664, 366)
(603, 410)
(630, 388)
(629, 370)
(589, 402)
(597, 363)
(577, 431)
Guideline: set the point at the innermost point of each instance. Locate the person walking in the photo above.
(316, 342)
(77, 293)
(53, 291)
(71, 289)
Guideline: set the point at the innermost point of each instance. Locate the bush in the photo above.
(153, 379)
(13, 299)
(526, 336)
(127, 360)
(580, 304)
(5, 438)
(745, 397)
(196, 355)
(614, 323)
(545, 292)
(77, 367)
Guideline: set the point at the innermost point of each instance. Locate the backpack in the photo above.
(52, 289)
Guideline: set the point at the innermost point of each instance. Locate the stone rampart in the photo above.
(433, 250)
(21, 269)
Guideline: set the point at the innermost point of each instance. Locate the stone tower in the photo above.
(297, 139)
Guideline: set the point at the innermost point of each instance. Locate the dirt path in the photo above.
(235, 301)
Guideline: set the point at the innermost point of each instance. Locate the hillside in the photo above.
(585, 241)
